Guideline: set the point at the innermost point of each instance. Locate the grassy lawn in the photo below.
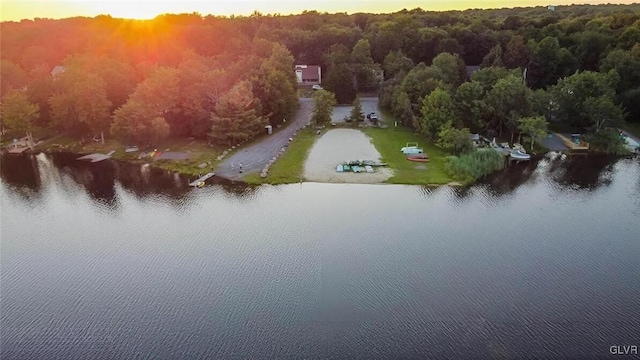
(199, 152)
(389, 141)
(288, 168)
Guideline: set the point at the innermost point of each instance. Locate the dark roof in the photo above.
(309, 72)
(471, 70)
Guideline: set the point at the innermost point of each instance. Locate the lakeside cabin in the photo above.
(308, 74)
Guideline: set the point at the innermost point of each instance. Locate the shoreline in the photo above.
(329, 179)
(142, 162)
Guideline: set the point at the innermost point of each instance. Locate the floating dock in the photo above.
(202, 179)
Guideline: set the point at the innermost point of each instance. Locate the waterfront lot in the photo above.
(337, 146)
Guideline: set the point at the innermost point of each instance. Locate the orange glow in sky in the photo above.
(147, 9)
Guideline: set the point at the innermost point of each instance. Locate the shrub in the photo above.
(606, 141)
(475, 165)
(456, 141)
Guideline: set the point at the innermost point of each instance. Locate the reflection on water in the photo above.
(26, 174)
(119, 261)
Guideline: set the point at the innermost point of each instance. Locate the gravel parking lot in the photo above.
(369, 105)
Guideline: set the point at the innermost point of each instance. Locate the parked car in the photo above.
(316, 87)
(372, 116)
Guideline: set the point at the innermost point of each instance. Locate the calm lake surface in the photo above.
(119, 261)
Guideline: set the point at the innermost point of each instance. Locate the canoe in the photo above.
(418, 157)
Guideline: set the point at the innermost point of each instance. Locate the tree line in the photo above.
(223, 78)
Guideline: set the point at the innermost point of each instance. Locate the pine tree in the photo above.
(356, 111)
(323, 107)
(235, 118)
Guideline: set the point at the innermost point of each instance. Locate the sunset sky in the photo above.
(146, 9)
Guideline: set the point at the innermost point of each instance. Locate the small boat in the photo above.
(373, 163)
(418, 157)
(368, 168)
(340, 168)
(410, 145)
(519, 155)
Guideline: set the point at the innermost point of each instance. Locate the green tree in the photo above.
(356, 111)
(19, 114)
(420, 82)
(156, 96)
(235, 118)
(573, 93)
(80, 104)
(131, 121)
(510, 99)
(548, 62)
(195, 100)
(627, 64)
(396, 64)
(536, 128)
(607, 141)
(494, 57)
(402, 108)
(471, 106)
(438, 112)
(40, 89)
(452, 67)
(516, 53)
(341, 81)
(275, 85)
(324, 101)
(13, 76)
(362, 64)
(543, 103)
(455, 141)
(629, 38)
(603, 112)
(489, 76)
(629, 100)
(590, 45)
(159, 129)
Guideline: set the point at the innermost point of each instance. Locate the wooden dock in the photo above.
(202, 179)
(572, 145)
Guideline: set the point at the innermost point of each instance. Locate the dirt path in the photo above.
(256, 156)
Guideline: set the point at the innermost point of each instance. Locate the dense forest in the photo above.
(225, 78)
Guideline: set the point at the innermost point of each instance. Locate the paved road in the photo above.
(369, 105)
(256, 156)
(554, 143)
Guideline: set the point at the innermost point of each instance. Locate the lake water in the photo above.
(118, 261)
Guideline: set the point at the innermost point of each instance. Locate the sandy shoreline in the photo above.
(337, 146)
